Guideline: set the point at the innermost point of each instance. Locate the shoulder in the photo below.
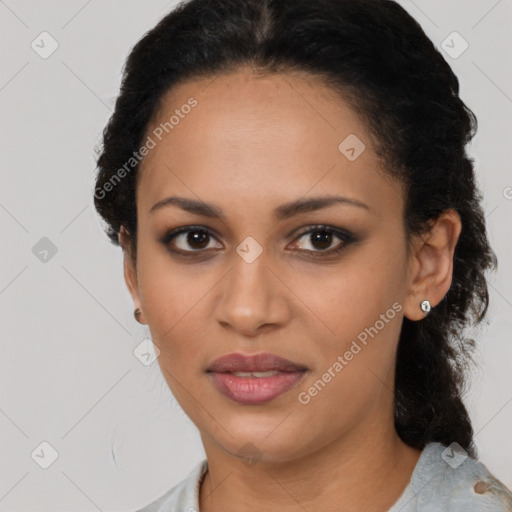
(184, 496)
(446, 478)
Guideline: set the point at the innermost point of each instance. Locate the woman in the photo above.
(303, 235)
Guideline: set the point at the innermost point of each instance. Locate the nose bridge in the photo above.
(249, 278)
(251, 290)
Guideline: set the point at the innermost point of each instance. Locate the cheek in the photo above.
(168, 291)
(358, 312)
(354, 367)
(345, 300)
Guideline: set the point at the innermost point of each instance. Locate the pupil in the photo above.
(197, 237)
(325, 241)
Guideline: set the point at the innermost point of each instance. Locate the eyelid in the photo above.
(323, 227)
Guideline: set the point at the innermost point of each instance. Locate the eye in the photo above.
(320, 238)
(317, 240)
(197, 238)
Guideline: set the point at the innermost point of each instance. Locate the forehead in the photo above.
(257, 136)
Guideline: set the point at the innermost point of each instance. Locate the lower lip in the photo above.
(255, 390)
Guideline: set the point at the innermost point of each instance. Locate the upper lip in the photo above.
(237, 362)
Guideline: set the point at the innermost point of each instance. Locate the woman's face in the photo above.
(260, 277)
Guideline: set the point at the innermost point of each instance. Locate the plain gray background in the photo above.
(69, 376)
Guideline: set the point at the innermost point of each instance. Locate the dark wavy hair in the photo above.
(379, 60)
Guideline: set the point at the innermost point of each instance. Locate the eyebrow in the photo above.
(280, 213)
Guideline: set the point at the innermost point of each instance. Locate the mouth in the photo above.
(256, 379)
(265, 362)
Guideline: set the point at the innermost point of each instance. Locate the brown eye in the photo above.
(197, 239)
(320, 240)
(188, 240)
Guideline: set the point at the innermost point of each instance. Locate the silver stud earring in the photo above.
(425, 306)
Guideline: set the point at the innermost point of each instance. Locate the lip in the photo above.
(254, 390)
(237, 362)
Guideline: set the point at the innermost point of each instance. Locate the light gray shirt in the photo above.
(443, 479)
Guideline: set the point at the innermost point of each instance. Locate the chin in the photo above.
(261, 441)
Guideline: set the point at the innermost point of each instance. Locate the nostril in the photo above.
(481, 487)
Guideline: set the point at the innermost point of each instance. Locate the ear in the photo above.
(431, 264)
(130, 272)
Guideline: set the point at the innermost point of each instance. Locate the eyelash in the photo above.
(345, 236)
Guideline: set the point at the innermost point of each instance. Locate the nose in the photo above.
(254, 299)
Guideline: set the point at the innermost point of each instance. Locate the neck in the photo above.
(366, 469)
